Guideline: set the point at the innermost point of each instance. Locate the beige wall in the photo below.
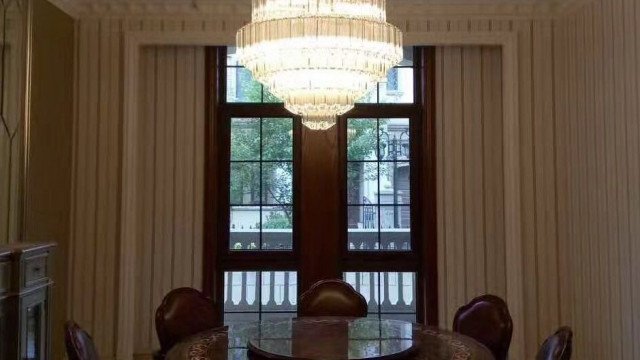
(171, 148)
(598, 77)
(471, 172)
(469, 123)
(473, 223)
(48, 184)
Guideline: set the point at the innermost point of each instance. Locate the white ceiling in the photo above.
(140, 7)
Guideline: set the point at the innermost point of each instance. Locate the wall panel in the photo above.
(598, 128)
(172, 120)
(14, 24)
(470, 188)
(48, 180)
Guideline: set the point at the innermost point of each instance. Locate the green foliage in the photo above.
(362, 138)
(277, 220)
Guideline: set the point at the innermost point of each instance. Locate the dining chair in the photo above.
(79, 343)
(486, 319)
(557, 346)
(183, 312)
(332, 298)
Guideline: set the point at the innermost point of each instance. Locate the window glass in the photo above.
(398, 88)
(254, 295)
(378, 185)
(389, 295)
(261, 184)
(241, 85)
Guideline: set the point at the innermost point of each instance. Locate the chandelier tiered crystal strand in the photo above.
(319, 56)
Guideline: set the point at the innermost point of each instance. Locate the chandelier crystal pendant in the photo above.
(319, 56)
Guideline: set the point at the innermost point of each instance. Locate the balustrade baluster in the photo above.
(228, 301)
(271, 303)
(258, 289)
(373, 289)
(243, 290)
(286, 303)
(385, 301)
(401, 303)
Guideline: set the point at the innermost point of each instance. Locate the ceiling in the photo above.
(80, 8)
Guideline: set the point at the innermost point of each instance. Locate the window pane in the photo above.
(277, 228)
(408, 56)
(241, 291)
(245, 139)
(362, 183)
(372, 184)
(371, 97)
(277, 183)
(395, 234)
(363, 228)
(366, 283)
(398, 292)
(398, 89)
(394, 139)
(232, 57)
(241, 87)
(362, 139)
(268, 97)
(388, 294)
(261, 179)
(244, 232)
(395, 184)
(244, 187)
(279, 291)
(250, 296)
(277, 139)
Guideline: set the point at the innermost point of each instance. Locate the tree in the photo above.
(275, 136)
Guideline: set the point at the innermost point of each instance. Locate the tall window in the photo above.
(256, 141)
(379, 165)
(257, 255)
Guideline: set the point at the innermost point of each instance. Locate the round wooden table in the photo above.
(329, 339)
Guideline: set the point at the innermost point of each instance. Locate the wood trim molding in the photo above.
(133, 41)
(241, 10)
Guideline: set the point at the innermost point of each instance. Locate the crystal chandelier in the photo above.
(319, 56)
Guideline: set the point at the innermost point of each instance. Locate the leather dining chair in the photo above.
(557, 346)
(332, 298)
(79, 343)
(486, 319)
(184, 312)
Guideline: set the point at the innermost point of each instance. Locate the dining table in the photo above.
(329, 338)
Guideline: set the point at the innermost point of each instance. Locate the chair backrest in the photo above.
(79, 343)
(332, 298)
(557, 346)
(183, 312)
(487, 320)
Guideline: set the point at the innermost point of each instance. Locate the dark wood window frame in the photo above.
(422, 259)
